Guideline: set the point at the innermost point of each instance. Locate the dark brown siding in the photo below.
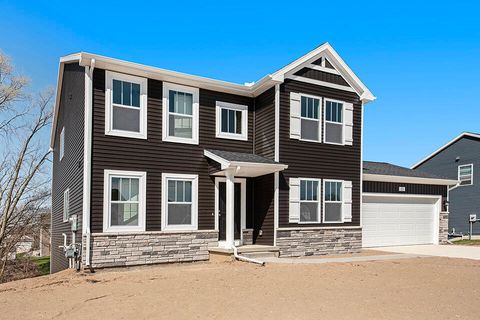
(318, 160)
(68, 173)
(322, 76)
(265, 124)
(410, 188)
(264, 215)
(154, 156)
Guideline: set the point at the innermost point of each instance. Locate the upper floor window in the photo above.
(126, 105)
(232, 121)
(465, 174)
(309, 201)
(333, 122)
(333, 191)
(310, 118)
(124, 201)
(180, 113)
(62, 143)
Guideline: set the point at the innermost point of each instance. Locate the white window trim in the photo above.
(319, 201)
(471, 174)
(195, 112)
(62, 144)
(177, 176)
(142, 176)
(341, 202)
(236, 107)
(109, 77)
(66, 205)
(325, 121)
(319, 120)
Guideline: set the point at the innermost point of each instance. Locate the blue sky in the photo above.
(421, 59)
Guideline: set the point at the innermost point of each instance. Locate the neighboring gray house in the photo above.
(459, 158)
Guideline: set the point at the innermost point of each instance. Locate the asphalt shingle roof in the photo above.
(388, 169)
(241, 157)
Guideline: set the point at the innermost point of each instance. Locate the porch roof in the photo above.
(244, 164)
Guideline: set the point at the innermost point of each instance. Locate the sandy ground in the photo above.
(420, 288)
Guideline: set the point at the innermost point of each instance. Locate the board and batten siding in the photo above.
(318, 160)
(155, 156)
(68, 173)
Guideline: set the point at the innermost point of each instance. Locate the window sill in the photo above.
(231, 136)
(180, 140)
(334, 143)
(333, 222)
(126, 134)
(177, 228)
(306, 140)
(123, 229)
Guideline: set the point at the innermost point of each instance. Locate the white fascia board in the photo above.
(464, 134)
(404, 179)
(338, 63)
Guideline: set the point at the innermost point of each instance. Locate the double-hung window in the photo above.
(124, 201)
(310, 118)
(66, 205)
(126, 105)
(231, 121)
(465, 174)
(332, 201)
(180, 113)
(309, 201)
(334, 122)
(179, 202)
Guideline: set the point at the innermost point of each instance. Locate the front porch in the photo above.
(244, 198)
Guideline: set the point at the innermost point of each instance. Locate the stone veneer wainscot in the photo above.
(297, 242)
(128, 249)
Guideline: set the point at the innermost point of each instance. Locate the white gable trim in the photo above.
(321, 83)
(462, 135)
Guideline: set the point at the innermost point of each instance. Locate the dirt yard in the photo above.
(421, 288)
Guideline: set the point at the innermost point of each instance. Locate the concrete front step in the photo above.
(261, 254)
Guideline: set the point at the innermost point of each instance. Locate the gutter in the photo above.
(87, 156)
(404, 179)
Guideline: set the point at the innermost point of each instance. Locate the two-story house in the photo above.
(459, 159)
(159, 166)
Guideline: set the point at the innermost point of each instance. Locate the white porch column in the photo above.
(230, 199)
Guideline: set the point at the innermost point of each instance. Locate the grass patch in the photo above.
(43, 265)
(466, 242)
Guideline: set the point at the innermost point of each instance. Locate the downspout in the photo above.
(87, 174)
(246, 259)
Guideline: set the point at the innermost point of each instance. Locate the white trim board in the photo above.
(243, 209)
(404, 179)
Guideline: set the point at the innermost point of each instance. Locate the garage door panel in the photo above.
(390, 221)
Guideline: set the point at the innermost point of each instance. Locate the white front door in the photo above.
(389, 220)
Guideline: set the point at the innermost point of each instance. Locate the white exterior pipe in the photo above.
(246, 259)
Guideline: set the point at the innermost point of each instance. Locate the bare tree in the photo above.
(24, 178)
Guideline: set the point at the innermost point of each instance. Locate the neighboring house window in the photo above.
(180, 113)
(309, 201)
(232, 121)
(310, 118)
(179, 193)
(62, 143)
(126, 105)
(333, 122)
(66, 205)
(465, 174)
(332, 201)
(124, 201)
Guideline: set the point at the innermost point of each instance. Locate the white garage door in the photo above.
(396, 221)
